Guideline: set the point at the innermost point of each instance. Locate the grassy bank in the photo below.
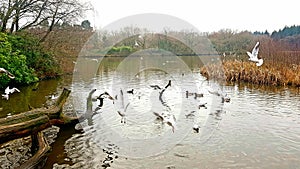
(267, 74)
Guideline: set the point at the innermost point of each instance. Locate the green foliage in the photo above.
(15, 62)
(23, 56)
(43, 63)
(120, 50)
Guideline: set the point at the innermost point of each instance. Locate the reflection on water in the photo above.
(259, 128)
(34, 95)
(140, 73)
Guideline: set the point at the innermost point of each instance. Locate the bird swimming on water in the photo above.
(130, 91)
(198, 95)
(225, 98)
(187, 94)
(254, 55)
(202, 105)
(167, 118)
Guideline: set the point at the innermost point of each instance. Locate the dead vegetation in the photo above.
(244, 71)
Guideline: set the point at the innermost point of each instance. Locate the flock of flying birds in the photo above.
(166, 117)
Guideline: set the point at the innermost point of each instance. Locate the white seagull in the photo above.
(2, 70)
(9, 91)
(254, 55)
(123, 108)
(136, 44)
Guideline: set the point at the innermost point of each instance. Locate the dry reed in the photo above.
(267, 74)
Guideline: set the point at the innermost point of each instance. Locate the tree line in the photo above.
(224, 42)
(286, 31)
(281, 33)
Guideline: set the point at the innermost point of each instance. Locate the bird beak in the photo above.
(111, 98)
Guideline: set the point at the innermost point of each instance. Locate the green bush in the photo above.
(42, 62)
(23, 56)
(120, 50)
(15, 62)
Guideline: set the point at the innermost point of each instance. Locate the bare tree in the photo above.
(24, 14)
(63, 11)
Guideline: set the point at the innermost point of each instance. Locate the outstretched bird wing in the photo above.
(122, 98)
(250, 55)
(169, 84)
(126, 107)
(255, 50)
(15, 90)
(7, 90)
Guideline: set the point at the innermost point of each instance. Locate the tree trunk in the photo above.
(33, 121)
(39, 158)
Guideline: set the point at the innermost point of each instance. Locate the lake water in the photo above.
(258, 128)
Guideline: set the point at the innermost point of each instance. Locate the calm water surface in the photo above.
(259, 128)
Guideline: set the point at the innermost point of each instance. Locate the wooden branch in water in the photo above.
(40, 156)
(35, 120)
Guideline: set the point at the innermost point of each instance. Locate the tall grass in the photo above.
(275, 74)
(281, 65)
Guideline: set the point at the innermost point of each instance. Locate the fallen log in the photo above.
(35, 120)
(39, 158)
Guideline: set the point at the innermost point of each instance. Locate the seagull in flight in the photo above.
(4, 71)
(101, 98)
(9, 91)
(136, 44)
(122, 110)
(254, 55)
(155, 87)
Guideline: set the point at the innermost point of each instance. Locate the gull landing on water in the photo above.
(254, 55)
(9, 91)
(122, 113)
(122, 110)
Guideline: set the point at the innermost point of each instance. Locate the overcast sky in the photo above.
(206, 15)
